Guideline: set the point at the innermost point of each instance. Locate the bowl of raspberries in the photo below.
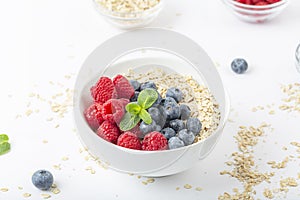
(256, 11)
(149, 107)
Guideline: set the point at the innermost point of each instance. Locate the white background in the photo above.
(43, 41)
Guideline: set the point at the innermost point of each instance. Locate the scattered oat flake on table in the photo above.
(65, 158)
(268, 193)
(187, 186)
(292, 101)
(26, 195)
(4, 189)
(55, 190)
(46, 196)
(244, 167)
(198, 189)
(279, 165)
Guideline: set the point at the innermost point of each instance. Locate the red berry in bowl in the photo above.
(103, 90)
(108, 131)
(154, 141)
(129, 140)
(113, 110)
(123, 87)
(93, 115)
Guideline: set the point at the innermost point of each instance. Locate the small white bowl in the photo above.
(253, 13)
(171, 50)
(131, 20)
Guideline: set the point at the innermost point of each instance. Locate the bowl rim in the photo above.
(140, 14)
(246, 6)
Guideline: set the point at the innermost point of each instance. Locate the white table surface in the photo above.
(42, 47)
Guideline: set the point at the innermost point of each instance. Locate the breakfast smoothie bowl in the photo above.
(149, 102)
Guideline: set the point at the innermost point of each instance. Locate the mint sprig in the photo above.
(136, 111)
(4, 145)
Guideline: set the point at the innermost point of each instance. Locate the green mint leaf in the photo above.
(145, 116)
(147, 97)
(4, 148)
(133, 108)
(3, 138)
(129, 121)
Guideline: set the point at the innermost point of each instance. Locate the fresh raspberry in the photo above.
(129, 140)
(123, 87)
(124, 101)
(113, 110)
(93, 115)
(261, 3)
(136, 130)
(154, 141)
(241, 1)
(103, 90)
(256, 1)
(272, 1)
(108, 131)
(249, 2)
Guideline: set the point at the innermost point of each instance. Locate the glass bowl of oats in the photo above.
(128, 14)
(169, 59)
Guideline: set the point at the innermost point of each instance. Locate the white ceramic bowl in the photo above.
(130, 20)
(170, 50)
(253, 13)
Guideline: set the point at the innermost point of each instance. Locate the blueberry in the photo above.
(168, 132)
(155, 114)
(185, 111)
(147, 128)
(163, 114)
(148, 84)
(177, 124)
(175, 142)
(175, 93)
(172, 110)
(239, 65)
(186, 136)
(158, 100)
(167, 100)
(42, 179)
(135, 84)
(135, 96)
(193, 124)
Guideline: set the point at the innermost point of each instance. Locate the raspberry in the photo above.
(93, 115)
(272, 1)
(103, 90)
(123, 87)
(124, 102)
(108, 131)
(154, 141)
(261, 3)
(129, 140)
(113, 110)
(136, 130)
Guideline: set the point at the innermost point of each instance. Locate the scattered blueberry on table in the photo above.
(42, 179)
(239, 65)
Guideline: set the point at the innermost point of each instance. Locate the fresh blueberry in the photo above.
(177, 125)
(185, 111)
(42, 179)
(175, 93)
(148, 84)
(168, 132)
(193, 124)
(167, 100)
(175, 142)
(155, 114)
(135, 84)
(135, 96)
(158, 100)
(186, 136)
(163, 115)
(239, 65)
(172, 110)
(147, 128)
